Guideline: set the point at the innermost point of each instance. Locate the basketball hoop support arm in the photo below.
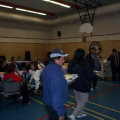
(88, 17)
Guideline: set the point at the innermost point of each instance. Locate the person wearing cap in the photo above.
(93, 60)
(55, 88)
(115, 63)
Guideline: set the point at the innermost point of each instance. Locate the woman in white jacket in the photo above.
(35, 76)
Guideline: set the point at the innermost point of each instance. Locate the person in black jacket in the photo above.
(93, 60)
(114, 59)
(82, 84)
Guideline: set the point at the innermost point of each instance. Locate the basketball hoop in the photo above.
(83, 33)
(86, 28)
(83, 37)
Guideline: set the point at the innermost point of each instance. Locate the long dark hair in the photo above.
(79, 55)
(77, 63)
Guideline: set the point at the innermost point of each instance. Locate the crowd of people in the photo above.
(55, 87)
(12, 74)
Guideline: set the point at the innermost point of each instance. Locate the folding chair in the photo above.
(10, 89)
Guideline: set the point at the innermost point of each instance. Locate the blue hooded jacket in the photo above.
(55, 88)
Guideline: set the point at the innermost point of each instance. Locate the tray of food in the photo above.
(70, 78)
(96, 72)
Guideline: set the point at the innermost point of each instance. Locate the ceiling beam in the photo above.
(27, 8)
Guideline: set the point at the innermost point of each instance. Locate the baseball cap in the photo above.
(57, 53)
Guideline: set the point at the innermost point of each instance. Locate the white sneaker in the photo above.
(20, 98)
(92, 89)
(84, 115)
(72, 117)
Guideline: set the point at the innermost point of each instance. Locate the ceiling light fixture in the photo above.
(5, 6)
(57, 3)
(24, 10)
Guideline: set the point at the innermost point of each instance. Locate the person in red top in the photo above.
(10, 74)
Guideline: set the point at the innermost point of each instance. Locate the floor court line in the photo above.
(97, 105)
(96, 112)
(100, 114)
(97, 95)
(43, 117)
(89, 114)
(104, 107)
(104, 92)
(37, 101)
(94, 116)
(85, 108)
(66, 105)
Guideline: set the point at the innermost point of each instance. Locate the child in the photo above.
(35, 76)
(40, 64)
(26, 75)
(24, 88)
(14, 62)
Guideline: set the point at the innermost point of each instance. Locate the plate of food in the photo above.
(70, 78)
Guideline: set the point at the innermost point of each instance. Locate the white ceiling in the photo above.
(45, 6)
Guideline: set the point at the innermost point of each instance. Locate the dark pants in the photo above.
(95, 81)
(53, 114)
(114, 71)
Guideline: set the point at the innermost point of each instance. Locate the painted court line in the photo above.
(66, 105)
(95, 112)
(37, 101)
(43, 117)
(89, 114)
(104, 107)
(94, 116)
(97, 105)
(97, 95)
(104, 92)
(90, 97)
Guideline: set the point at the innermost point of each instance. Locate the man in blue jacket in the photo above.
(55, 88)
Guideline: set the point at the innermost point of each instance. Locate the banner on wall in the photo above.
(97, 46)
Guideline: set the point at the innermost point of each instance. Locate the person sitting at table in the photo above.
(14, 62)
(40, 64)
(10, 76)
(3, 68)
(35, 76)
(3, 65)
(26, 75)
(12, 58)
(11, 69)
(19, 58)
